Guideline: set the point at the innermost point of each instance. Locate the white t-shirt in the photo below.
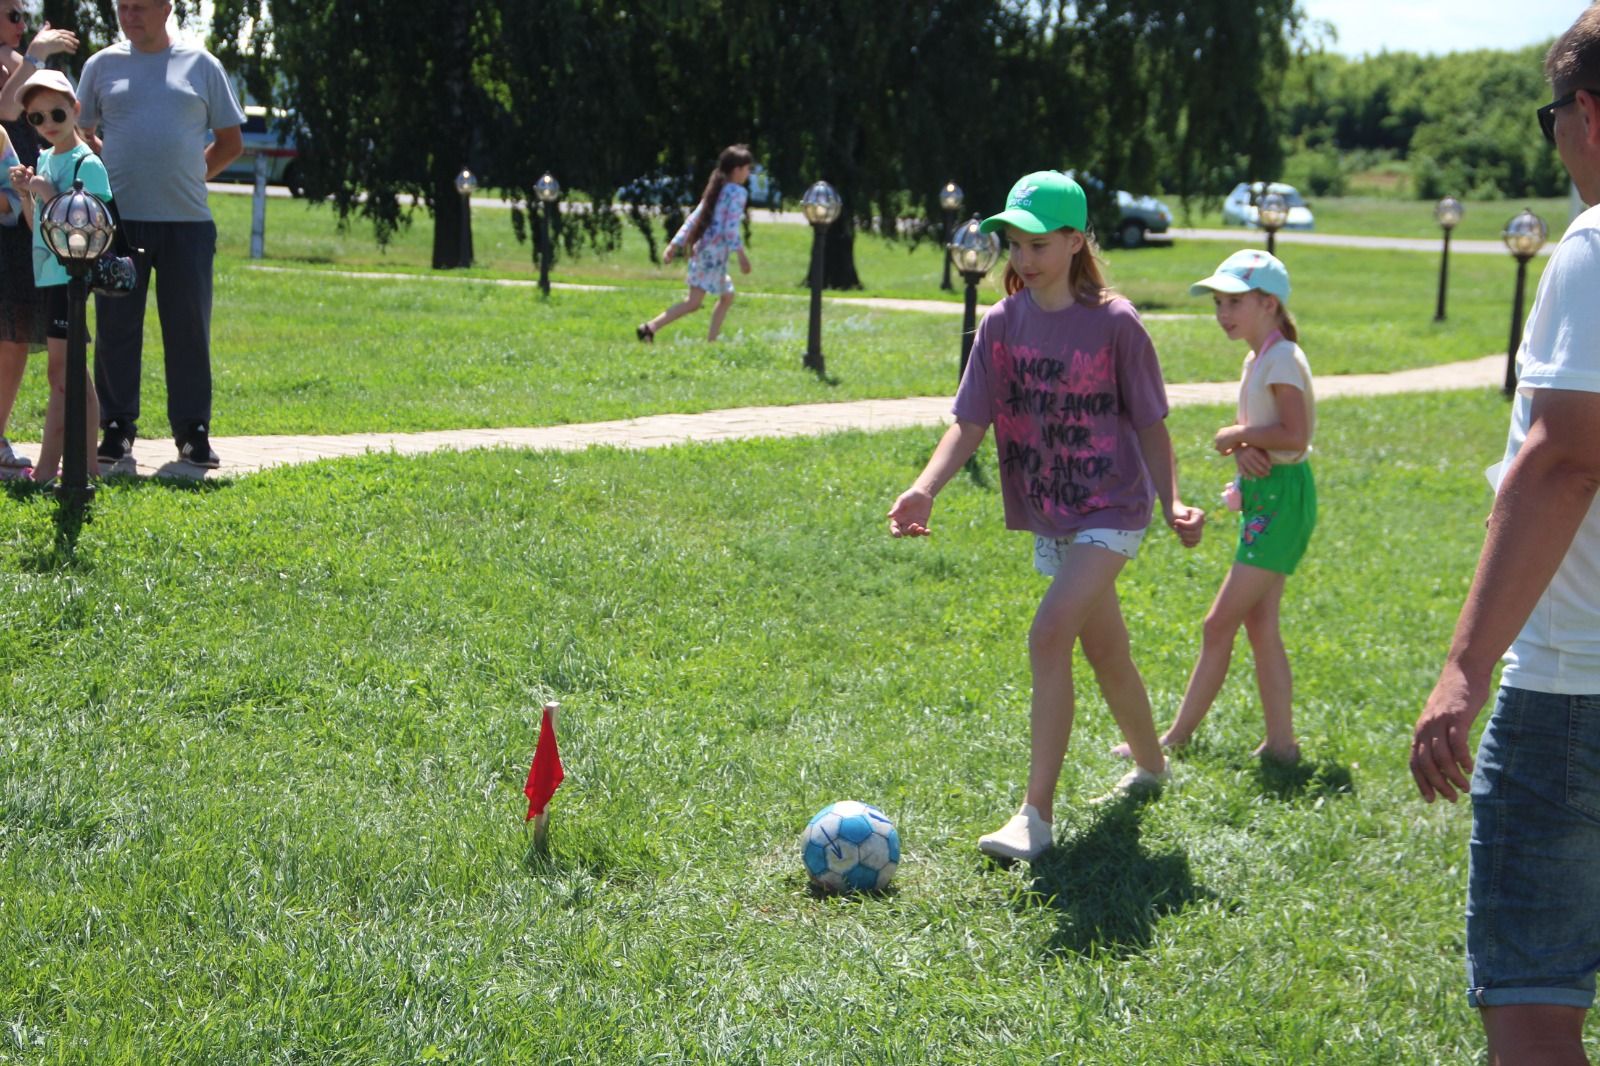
(1559, 648)
(1282, 363)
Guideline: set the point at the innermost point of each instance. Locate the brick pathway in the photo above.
(245, 455)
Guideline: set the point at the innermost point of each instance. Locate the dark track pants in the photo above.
(181, 253)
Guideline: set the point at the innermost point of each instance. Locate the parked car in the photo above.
(270, 131)
(1239, 209)
(660, 188)
(1140, 217)
(1137, 216)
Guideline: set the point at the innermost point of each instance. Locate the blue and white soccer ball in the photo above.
(850, 847)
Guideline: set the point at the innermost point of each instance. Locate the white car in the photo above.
(1239, 209)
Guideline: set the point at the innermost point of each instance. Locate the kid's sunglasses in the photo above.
(58, 115)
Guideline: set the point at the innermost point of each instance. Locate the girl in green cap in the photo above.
(1065, 372)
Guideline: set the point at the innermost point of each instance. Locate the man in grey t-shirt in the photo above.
(152, 99)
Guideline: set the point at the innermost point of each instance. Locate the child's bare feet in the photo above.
(1288, 755)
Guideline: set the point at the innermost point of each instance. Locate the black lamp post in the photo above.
(1273, 212)
(1447, 212)
(78, 229)
(548, 190)
(466, 185)
(1524, 236)
(973, 253)
(822, 206)
(950, 200)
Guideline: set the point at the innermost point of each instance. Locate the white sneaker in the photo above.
(1025, 837)
(1137, 782)
(10, 458)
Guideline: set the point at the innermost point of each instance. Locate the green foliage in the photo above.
(885, 101)
(1464, 121)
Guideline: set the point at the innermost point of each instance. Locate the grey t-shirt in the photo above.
(152, 111)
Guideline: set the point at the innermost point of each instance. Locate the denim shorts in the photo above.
(1533, 881)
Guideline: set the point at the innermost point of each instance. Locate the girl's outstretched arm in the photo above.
(1155, 444)
(909, 515)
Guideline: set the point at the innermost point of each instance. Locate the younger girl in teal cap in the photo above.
(1274, 494)
(1065, 372)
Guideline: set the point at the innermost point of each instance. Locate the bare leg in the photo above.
(1087, 573)
(1535, 1034)
(13, 364)
(1273, 678)
(55, 413)
(688, 306)
(1106, 646)
(1241, 590)
(718, 313)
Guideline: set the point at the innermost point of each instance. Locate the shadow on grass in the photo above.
(1304, 779)
(1108, 890)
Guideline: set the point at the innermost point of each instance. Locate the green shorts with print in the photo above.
(1276, 518)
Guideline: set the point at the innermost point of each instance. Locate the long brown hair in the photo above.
(732, 158)
(1086, 273)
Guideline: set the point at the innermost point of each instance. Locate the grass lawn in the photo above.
(264, 743)
(310, 352)
(1377, 216)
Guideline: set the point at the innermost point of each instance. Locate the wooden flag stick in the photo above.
(541, 821)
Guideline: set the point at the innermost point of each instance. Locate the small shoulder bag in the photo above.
(116, 272)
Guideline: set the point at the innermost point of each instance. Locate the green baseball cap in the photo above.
(1043, 201)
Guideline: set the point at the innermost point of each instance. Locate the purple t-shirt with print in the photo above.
(1067, 392)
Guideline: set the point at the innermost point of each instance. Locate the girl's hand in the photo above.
(744, 262)
(1228, 439)
(49, 41)
(910, 513)
(1188, 523)
(20, 177)
(1252, 462)
(671, 253)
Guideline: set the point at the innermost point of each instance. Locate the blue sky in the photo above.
(1437, 26)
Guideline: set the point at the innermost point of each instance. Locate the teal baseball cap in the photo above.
(1043, 201)
(1246, 270)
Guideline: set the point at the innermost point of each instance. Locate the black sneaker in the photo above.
(117, 444)
(196, 448)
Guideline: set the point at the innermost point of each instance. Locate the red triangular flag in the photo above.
(545, 775)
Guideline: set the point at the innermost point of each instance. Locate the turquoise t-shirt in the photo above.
(47, 270)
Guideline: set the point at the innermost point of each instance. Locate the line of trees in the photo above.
(1463, 123)
(887, 100)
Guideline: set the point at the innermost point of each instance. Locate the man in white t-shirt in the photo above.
(1533, 897)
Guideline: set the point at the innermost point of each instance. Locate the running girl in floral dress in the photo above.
(710, 235)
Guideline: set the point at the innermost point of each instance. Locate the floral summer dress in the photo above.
(708, 267)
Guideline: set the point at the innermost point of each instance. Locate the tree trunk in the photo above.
(839, 256)
(452, 225)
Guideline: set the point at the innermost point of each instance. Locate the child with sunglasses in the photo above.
(51, 108)
(22, 311)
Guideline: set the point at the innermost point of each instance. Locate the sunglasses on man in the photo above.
(58, 115)
(1547, 113)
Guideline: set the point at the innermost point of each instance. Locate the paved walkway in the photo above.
(245, 455)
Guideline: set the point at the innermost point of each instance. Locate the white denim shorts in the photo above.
(1048, 552)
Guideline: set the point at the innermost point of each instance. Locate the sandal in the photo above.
(645, 333)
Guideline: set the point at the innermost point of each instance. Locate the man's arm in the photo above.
(226, 146)
(1542, 502)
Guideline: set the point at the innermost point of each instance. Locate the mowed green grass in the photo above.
(309, 351)
(262, 749)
